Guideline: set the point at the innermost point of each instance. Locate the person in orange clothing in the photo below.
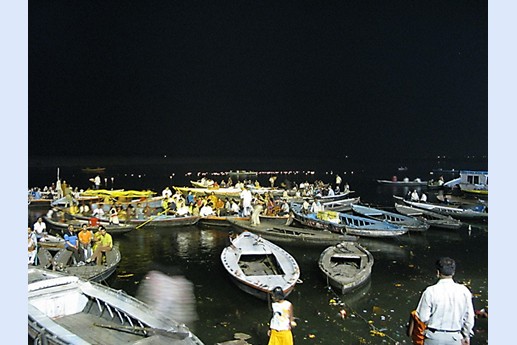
(85, 242)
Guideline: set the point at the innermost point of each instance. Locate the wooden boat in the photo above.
(219, 221)
(97, 170)
(432, 218)
(113, 229)
(63, 262)
(291, 234)
(165, 220)
(51, 242)
(257, 265)
(347, 223)
(404, 183)
(346, 265)
(341, 205)
(157, 220)
(411, 223)
(203, 183)
(279, 220)
(477, 212)
(229, 192)
(65, 309)
(242, 174)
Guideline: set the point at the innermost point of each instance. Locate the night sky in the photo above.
(259, 78)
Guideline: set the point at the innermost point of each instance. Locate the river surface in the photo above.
(375, 314)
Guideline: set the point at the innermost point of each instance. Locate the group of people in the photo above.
(86, 247)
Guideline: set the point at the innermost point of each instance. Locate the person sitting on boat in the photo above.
(330, 191)
(84, 209)
(98, 212)
(414, 196)
(284, 208)
(166, 193)
(40, 228)
(306, 206)
(423, 198)
(189, 200)
(113, 214)
(104, 244)
(206, 210)
(234, 208)
(32, 246)
(85, 242)
(316, 207)
(72, 243)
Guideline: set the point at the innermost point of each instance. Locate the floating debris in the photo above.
(241, 336)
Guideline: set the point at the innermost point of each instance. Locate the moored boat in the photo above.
(346, 265)
(291, 234)
(404, 183)
(342, 205)
(475, 212)
(347, 223)
(432, 218)
(63, 261)
(113, 229)
(257, 265)
(411, 223)
(64, 309)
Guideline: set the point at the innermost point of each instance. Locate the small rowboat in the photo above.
(346, 265)
(257, 266)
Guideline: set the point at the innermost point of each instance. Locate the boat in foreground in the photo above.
(257, 266)
(64, 309)
(291, 234)
(63, 261)
(346, 265)
(411, 223)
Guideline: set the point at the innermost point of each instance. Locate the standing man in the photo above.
(97, 182)
(446, 308)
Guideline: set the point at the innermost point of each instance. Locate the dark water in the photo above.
(403, 266)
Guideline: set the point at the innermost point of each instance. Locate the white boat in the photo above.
(346, 265)
(257, 265)
(432, 218)
(64, 309)
(478, 212)
(341, 205)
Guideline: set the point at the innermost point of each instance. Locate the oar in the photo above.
(152, 218)
(146, 331)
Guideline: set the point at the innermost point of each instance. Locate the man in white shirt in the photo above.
(40, 228)
(446, 308)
